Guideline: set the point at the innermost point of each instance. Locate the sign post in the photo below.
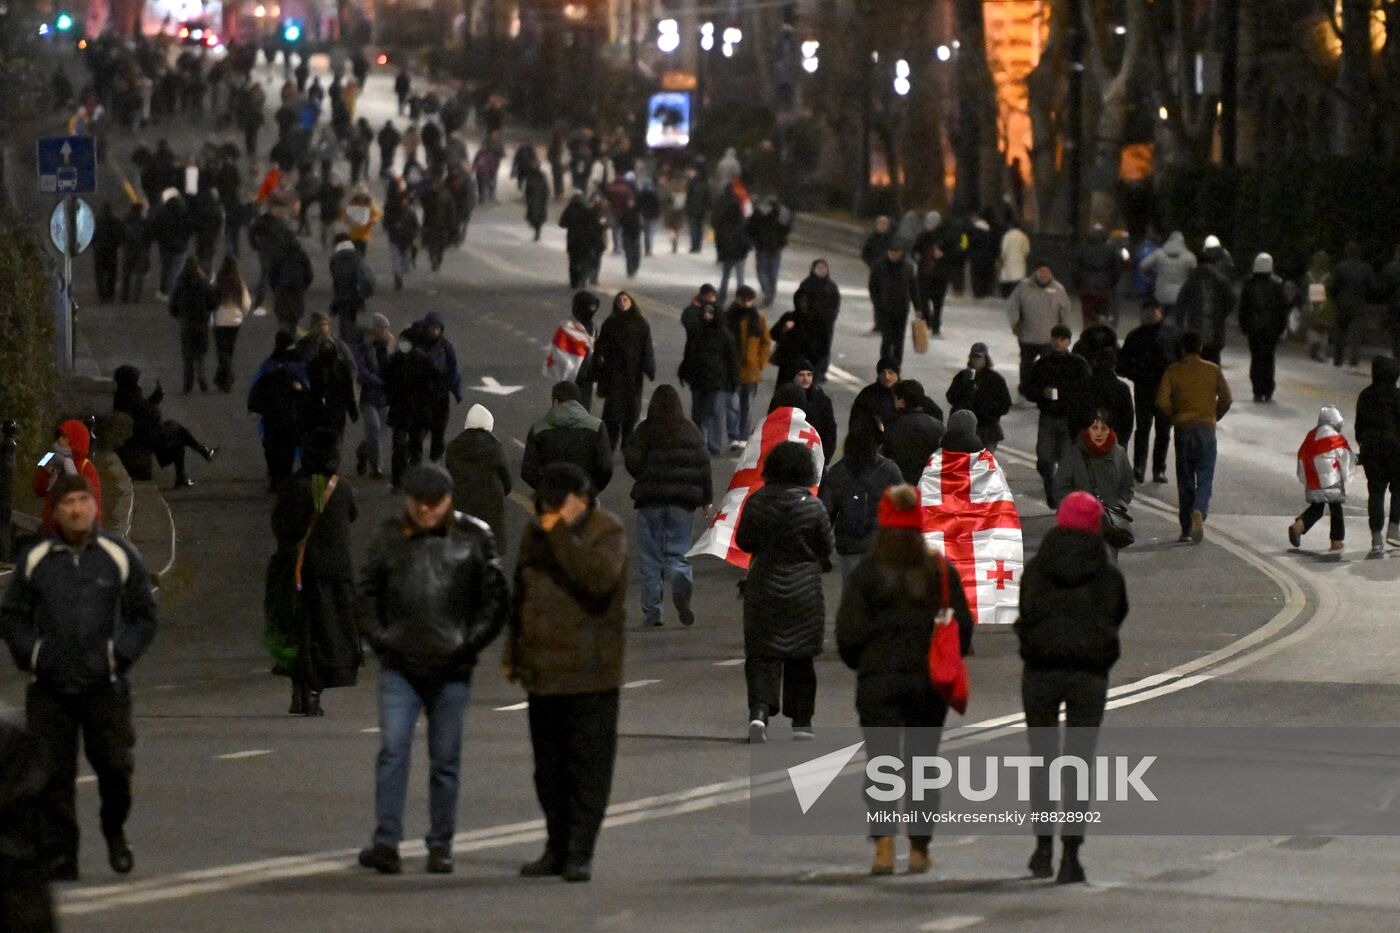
(68, 166)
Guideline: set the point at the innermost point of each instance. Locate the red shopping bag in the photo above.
(946, 669)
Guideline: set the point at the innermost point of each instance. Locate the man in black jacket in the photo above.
(1053, 383)
(432, 597)
(877, 399)
(77, 615)
(697, 203)
(916, 431)
(351, 285)
(820, 413)
(1377, 434)
(1264, 319)
(894, 290)
(981, 390)
(710, 367)
(1147, 352)
(567, 433)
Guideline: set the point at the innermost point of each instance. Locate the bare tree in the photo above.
(1047, 88)
(1116, 88)
(974, 136)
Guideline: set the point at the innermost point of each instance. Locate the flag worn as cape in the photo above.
(567, 351)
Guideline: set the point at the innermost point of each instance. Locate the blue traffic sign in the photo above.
(67, 165)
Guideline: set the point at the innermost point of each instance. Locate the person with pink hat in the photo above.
(1073, 601)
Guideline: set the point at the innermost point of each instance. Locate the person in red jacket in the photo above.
(69, 456)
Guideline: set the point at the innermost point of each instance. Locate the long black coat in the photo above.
(893, 289)
(711, 361)
(985, 395)
(413, 386)
(808, 340)
(191, 303)
(536, 197)
(623, 355)
(786, 530)
(1377, 425)
(731, 232)
(332, 396)
(480, 478)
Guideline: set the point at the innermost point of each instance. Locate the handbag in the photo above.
(946, 669)
(918, 332)
(1116, 524)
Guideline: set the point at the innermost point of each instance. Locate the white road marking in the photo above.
(372, 730)
(732, 662)
(513, 707)
(953, 922)
(639, 683)
(88, 779)
(250, 753)
(518, 442)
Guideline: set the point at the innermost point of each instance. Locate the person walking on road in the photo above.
(193, 301)
(1167, 268)
(290, 277)
(710, 368)
(1325, 467)
(432, 596)
(1096, 269)
(1055, 381)
(930, 251)
(786, 530)
(277, 395)
(732, 242)
(415, 389)
(697, 204)
(331, 399)
(569, 434)
(352, 284)
(894, 598)
(311, 581)
(1378, 436)
(372, 349)
(1194, 396)
(851, 492)
(1353, 283)
(480, 476)
(750, 331)
(234, 304)
(816, 404)
(877, 399)
(1015, 250)
(1148, 350)
(1098, 464)
(565, 649)
(77, 614)
(668, 458)
(981, 390)
(768, 230)
(623, 356)
(894, 290)
(584, 241)
(536, 197)
(799, 335)
(1073, 603)
(1038, 304)
(824, 301)
(170, 230)
(444, 356)
(1264, 319)
(914, 434)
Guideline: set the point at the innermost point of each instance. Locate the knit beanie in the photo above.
(899, 508)
(1081, 512)
(479, 417)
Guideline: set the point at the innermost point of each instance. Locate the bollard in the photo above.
(8, 444)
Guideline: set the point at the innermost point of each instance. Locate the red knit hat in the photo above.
(1081, 512)
(899, 508)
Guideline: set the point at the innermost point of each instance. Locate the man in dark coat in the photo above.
(1264, 319)
(414, 388)
(389, 138)
(877, 399)
(710, 367)
(583, 239)
(480, 477)
(894, 289)
(536, 197)
(268, 236)
(768, 230)
(1053, 382)
(372, 349)
(567, 433)
(290, 277)
(192, 302)
(697, 204)
(823, 300)
(331, 399)
(565, 648)
(981, 390)
(731, 240)
(930, 251)
(444, 357)
(276, 395)
(820, 413)
(1096, 269)
(107, 238)
(1147, 352)
(136, 253)
(77, 614)
(872, 253)
(1377, 432)
(623, 356)
(916, 431)
(170, 229)
(352, 284)
(1352, 285)
(432, 597)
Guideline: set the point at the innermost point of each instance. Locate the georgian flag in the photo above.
(969, 515)
(567, 351)
(782, 424)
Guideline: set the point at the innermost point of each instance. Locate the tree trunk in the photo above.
(1113, 115)
(1353, 85)
(975, 145)
(1045, 87)
(923, 142)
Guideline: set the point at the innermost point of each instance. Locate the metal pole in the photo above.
(70, 246)
(1229, 81)
(1074, 154)
(867, 102)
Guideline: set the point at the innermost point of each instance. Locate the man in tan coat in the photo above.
(1194, 395)
(565, 648)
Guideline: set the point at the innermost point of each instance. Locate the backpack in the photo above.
(855, 518)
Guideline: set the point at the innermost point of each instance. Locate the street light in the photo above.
(809, 56)
(707, 36)
(901, 86)
(670, 38)
(733, 35)
(810, 65)
(901, 69)
(943, 53)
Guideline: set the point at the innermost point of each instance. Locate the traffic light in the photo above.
(63, 23)
(291, 32)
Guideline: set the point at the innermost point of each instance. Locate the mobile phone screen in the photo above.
(46, 459)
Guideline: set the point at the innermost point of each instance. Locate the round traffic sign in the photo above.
(83, 224)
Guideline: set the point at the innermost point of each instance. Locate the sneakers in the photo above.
(1378, 543)
(1392, 534)
(758, 730)
(1159, 478)
(440, 860)
(1198, 526)
(1295, 534)
(119, 854)
(1337, 548)
(738, 445)
(546, 866)
(382, 859)
(803, 733)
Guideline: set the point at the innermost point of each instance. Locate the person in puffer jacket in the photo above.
(785, 527)
(1325, 466)
(1378, 437)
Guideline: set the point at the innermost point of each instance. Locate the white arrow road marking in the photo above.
(490, 386)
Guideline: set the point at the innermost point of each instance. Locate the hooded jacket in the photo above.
(623, 355)
(570, 434)
(480, 478)
(79, 441)
(984, 394)
(1263, 307)
(911, 439)
(1169, 266)
(1147, 352)
(431, 601)
(1325, 459)
(1073, 602)
(711, 360)
(787, 531)
(351, 280)
(750, 330)
(823, 296)
(851, 492)
(1378, 420)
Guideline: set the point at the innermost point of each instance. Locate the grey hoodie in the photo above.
(1169, 266)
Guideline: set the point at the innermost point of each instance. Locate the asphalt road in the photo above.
(247, 818)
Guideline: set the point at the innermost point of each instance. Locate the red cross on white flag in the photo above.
(970, 516)
(783, 424)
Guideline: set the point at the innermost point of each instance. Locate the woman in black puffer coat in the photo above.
(784, 526)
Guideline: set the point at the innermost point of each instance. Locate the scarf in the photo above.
(1109, 443)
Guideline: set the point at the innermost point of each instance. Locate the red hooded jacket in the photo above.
(79, 441)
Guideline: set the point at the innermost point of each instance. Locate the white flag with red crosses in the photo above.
(783, 424)
(567, 351)
(970, 516)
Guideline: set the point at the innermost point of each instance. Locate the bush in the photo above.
(27, 358)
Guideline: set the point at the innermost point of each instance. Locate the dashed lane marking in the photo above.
(953, 922)
(372, 730)
(249, 753)
(88, 779)
(513, 707)
(639, 683)
(732, 662)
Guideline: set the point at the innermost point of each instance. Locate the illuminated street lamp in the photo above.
(901, 69)
(943, 53)
(901, 86)
(670, 38)
(733, 35)
(809, 56)
(707, 36)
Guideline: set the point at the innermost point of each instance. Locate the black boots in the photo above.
(1071, 872)
(1042, 860)
(305, 701)
(440, 860)
(119, 854)
(382, 859)
(547, 865)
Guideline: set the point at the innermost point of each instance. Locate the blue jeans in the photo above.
(740, 419)
(731, 268)
(709, 410)
(1195, 472)
(663, 537)
(399, 704)
(766, 264)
